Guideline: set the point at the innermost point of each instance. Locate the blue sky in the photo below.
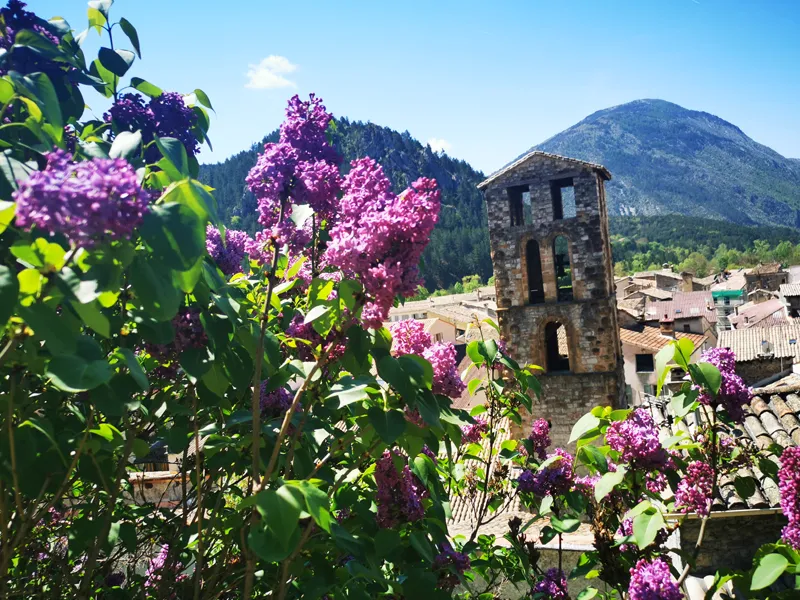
(485, 80)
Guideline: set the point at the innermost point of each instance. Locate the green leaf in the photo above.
(9, 290)
(176, 162)
(392, 372)
(137, 372)
(44, 94)
(50, 327)
(130, 31)
(587, 594)
(706, 375)
(608, 482)
(683, 352)
(96, 19)
(682, 404)
(315, 313)
(566, 525)
(195, 196)
(420, 543)
(140, 448)
(155, 289)
(176, 234)
(280, 510)
(594, 456)
(75, 374)
(473, 385)
(187, 280)
(203, 98)
(585, 424)
(116, 61)
(101, 5)
(390, 424)
(663, 358)
(125, 145)
(646, 527)
(769, 568)
(348, 390)
(94, 318)
(147, 88)
(386, 540)
(7, 212)
(474, 353)
(317, 503)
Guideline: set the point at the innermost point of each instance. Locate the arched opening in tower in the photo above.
(534, 262)
(563, 268)
(557, 347)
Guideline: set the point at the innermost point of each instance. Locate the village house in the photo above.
(790, 296)
(762, 314)
(766, 277)
(688, 312)
(763, 353)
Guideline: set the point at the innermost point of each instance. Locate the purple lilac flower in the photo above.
(626, 530)
(694, 490)
(789, 485)
(301, 168)
(540, 437)
(89, 202)
(553, 585)
(409, 337)
(229, 255)
(451, 565)
(655, 482)
(343, 514)
(733, 393)
(189, 333)
(400, 492)
(305, 331)
(653, 581)
(156, 573)
(15, 18)
(473, 433)
(554, 478)
(274, 404)
(165, 115)
(380, 237)
(636, 439)
(429, 453)
(585, 485)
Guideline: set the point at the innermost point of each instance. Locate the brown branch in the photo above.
(198, 571)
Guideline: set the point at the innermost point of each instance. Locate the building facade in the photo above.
(554, 279)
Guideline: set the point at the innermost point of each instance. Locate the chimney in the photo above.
(479, 293)
(666, 326)
(686, 281)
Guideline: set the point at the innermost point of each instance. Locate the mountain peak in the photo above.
(669, 159)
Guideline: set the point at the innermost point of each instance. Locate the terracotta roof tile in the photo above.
(782, 341)
(652, 338)
(686, 305)
(790, 289)
(751, 316)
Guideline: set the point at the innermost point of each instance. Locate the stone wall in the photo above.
(590, 319)
(730, 542)
(759, 369)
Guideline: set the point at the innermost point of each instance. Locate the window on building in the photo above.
(563, 268)
(518, 196)
(557, 347)
(645, 363)
(534, 261)
(649, 389)
(438, 337)
(727, 301)
(687, 328)
(562, 193)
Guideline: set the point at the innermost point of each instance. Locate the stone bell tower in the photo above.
(556, 301)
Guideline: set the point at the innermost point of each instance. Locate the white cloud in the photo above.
(269, 73)
(440, 145)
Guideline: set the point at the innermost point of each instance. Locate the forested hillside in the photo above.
(459, 245)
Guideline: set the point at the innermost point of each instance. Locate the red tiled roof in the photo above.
(685, 305)
(752, 316)
(652, 338)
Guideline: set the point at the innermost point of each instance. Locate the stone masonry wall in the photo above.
(759, 369)
(590, 319)
(730, 542)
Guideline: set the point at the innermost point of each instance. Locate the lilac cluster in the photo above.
(429, 453)
(473, 433)
(229, 255)
(733, 393)
(653, 581)
(540, 437)
(585, 485)
(789, 485)
(156, 573)
(626, 530)
(305, 331)
(189, 333)
(380, 237)
(450, 564)
(636, 439)
(553, 585)
(165, 115)
(15, 18)
(409, 337)
(400, 493)
(301, 168)
(274, 404)
(555, 477)
(695, 489)
(89, 202)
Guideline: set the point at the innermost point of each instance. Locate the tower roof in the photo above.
(604, 173)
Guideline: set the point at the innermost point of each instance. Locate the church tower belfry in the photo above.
(554, 278)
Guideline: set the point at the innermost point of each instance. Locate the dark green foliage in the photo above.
(459, 245)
